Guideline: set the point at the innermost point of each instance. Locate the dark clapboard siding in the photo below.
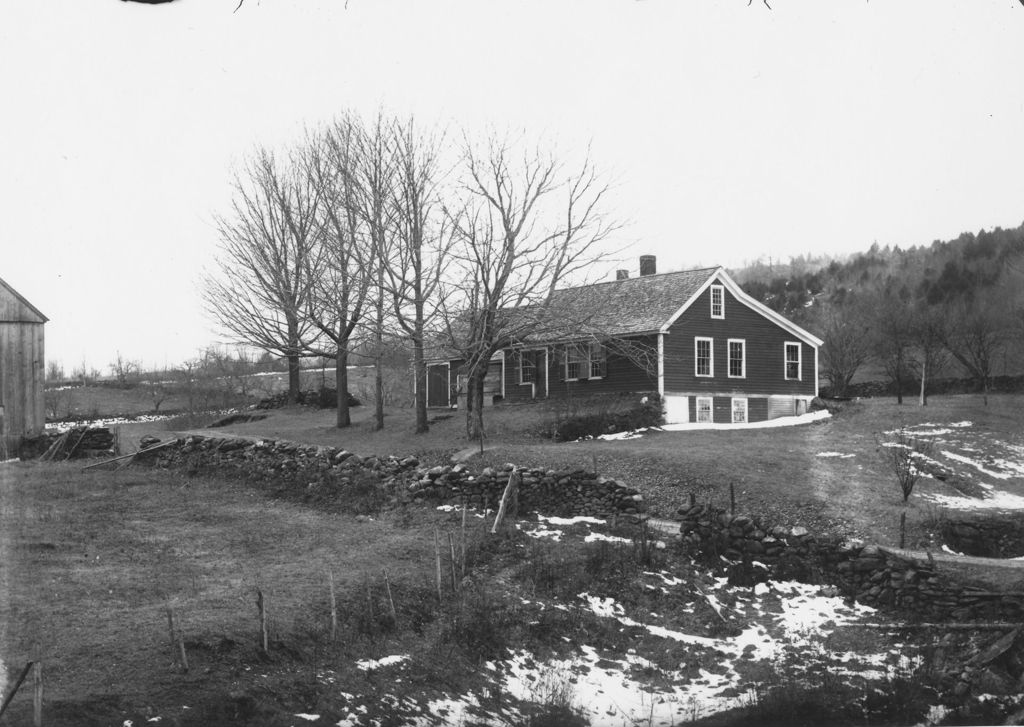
(765, 352)
(623, 375)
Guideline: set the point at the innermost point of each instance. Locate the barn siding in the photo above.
(21, 380)
(764, 345)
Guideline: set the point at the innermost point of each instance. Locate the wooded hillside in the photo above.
(951, 308)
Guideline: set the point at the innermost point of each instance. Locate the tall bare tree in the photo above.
(268, 243)
(525, 227)
(891, 328)
(341, 279)
(847, 343)
(929, 332)
(978, 332)
(376, 171)
(419, 254)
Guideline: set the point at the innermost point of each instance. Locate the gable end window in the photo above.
(717, 301)
(737, 358)
(703, 360)
(792, 363)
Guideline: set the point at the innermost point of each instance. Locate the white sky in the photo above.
(733, 132)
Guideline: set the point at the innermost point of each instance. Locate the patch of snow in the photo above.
(308, 717)
(793, 421)
(996, 500)
(947, 549)
(571, 520)
(368, 664)
(977, 465)
(631, 434)
(609, 538)
(834, 454)
(544, 533)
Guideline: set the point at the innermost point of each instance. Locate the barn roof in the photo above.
(14, 308)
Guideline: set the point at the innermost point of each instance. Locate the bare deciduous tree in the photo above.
(847, 344)
(268, 241)
(978, 332)
(525, 228)
(126, 372)
(419, 254)
(341, 281)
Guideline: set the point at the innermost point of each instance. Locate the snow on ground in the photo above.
(691, 426)
(367, 664)
(835, 454)
(787, 617)
(813, 416)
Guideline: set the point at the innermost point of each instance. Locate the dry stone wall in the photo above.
(567, 493)
(866, 572)
(310, 472)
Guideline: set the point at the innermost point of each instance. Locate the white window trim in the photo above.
(519, 367)
(711, 409)
(720, 289)
(743, 360)
(799, 361)
(711, 346)
(732, 410)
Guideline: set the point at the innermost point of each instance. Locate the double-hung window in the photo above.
(703, 359)
(527, 367)
(717, 301)
(598, 360)
(792, 361)
(586, 361)
(737, 358)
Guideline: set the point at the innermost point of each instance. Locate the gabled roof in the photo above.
(631, 306)
(14, 308)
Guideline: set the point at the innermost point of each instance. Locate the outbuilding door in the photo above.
(437, 385)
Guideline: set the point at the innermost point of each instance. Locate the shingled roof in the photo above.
(630, 306)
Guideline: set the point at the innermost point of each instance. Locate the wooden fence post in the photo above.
(903, 529)
(261, 605)
(37, 694)
(391, 601)
(334, 606)
(437, 563)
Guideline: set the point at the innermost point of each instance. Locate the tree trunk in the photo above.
(293, 377)
(899, 385)
(475, 408)
(420, 373)
(344, 418)
(292, 355)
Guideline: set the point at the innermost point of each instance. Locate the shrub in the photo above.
(597, 415)
(906, 455)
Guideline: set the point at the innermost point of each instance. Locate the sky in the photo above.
(730, 132)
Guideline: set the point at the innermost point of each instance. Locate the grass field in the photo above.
(554, 623)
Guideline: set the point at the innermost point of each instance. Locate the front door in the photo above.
(437, 385)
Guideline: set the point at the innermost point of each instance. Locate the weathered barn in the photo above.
(22, 411)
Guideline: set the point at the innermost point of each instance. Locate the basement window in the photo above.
(704, 409)
(739, 411)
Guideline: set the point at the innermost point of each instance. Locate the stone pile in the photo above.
(565, 494)
(868, 573)
(326, 398)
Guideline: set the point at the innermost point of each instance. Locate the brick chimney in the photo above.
(648, 265)
(621, 274)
